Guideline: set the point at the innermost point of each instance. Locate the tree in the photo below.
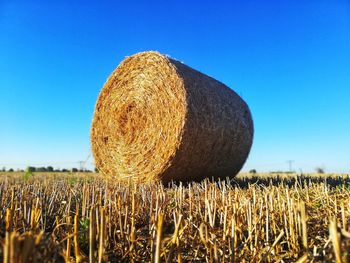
(3, 169)
(74, 170)
(96, 170)
(319, 170)
(41, 169)
(11, 170)
(49, 169)
(252, 171)
(31, 169)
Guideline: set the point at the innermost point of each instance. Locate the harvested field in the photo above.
(88, 218)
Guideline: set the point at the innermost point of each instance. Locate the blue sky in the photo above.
(290, 60)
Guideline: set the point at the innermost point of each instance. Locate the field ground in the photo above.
(49, 217)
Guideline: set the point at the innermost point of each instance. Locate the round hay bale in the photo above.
(156, 118)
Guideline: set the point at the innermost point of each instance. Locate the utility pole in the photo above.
(86, 160)
(81, 165)
(290, 162)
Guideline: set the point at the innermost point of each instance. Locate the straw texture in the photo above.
(156, 118)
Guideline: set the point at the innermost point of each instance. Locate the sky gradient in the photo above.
(290, 61)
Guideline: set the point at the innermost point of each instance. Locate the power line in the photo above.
(42, 164)
(290, 162)
(82, 164)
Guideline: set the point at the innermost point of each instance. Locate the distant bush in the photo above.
(41, 169)
(11, 170)
(74, 170)
(252, 171)
(31, 169)
(319, 170)
(282, 172)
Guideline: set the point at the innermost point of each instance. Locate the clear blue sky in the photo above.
(290, 60)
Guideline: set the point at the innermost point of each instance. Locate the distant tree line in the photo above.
(49, 169)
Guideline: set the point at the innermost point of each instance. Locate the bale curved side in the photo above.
(218, 132)
(158, 118)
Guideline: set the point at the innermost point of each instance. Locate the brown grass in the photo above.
(85, 218)
(156, 118)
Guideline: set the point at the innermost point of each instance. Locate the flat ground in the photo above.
(74, 217)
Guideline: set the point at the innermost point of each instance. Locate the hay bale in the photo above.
(156, 118)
